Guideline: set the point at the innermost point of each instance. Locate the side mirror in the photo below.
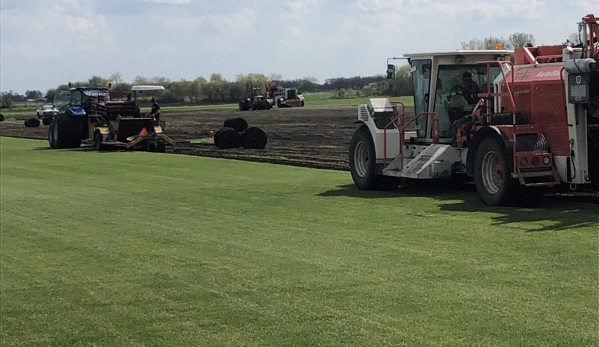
(390, 71)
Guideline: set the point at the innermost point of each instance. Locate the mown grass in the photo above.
(142, 249)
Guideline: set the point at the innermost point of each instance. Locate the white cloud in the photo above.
(169, 2)
(295, 38)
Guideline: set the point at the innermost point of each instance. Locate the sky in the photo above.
(45, 43)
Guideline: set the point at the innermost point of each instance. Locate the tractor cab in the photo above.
(448, 84)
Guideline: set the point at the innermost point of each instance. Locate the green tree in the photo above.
(140, 81)
(97, 81)
(50, 95)
(160, 81)
(519, 40)
(7, 99)
(116, 78)
(574, 38)
(197, 89)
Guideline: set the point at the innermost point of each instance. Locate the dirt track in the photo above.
(310, 137)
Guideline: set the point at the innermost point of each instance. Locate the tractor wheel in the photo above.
(492, 174)
(161, 147)
(46, 120)
(242, 106)
(67, 131)
(227, 138)
(302, 104)
(151, 146)
(1, 117)
(98, 146)
(362, 161)
(51, 136)
(254, 138)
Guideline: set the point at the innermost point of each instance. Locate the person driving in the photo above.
(155, 111)
(470, 87)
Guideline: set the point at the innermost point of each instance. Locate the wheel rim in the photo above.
(492, 172)
(361, 160)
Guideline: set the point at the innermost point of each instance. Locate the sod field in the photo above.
(144, 249)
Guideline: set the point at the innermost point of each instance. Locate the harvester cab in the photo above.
(109, 119)
(515, 122)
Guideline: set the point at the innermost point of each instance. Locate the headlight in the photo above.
(546, 160)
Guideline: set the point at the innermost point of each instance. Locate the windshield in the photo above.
(456, 92)
(62, 98)
(421, 79)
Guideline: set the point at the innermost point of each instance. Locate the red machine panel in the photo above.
(539, 94)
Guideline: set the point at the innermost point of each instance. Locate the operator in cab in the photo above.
(470, 88)
(155, 112)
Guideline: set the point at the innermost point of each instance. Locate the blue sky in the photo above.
(45, 43)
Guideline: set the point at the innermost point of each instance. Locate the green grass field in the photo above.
(146, 249)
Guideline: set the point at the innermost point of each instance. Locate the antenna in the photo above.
(454, 39)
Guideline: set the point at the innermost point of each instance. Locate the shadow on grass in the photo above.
(83, 149)
(567, 212)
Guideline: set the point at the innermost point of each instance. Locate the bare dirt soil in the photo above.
(309, 137)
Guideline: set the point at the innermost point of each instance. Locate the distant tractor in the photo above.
(515, 122)
(290, 97)
(254, 99)
(105, 118)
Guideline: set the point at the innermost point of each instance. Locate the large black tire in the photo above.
(67, 131)
(161, 146)
(51, 136)
(32, 123)
(98, 146)
(227, 138)
(238, 124)
(1, 117)
(362, 161)
(46, 120)
(254, 138)
(492, 174)
(151, 146)
(242, 106)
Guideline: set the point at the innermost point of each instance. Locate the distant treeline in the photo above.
(219, 90)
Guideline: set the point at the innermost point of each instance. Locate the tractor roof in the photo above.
(146, 88)
(90, 88)
(463, 53)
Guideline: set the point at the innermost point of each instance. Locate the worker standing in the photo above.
(155, 111)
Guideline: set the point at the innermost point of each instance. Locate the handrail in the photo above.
(401, 115)
(435, 116)
(507, 85)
